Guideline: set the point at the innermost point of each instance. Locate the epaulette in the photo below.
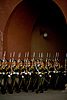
(61, 66)
(32, 67)
(41, 66)
(22, 67)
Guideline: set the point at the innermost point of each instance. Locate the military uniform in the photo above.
(8, 77)
(40, 77)
(2, 78)
(33, 76)
(27, 75)
(46, 82)
(53, 76)
(15, 77)
(22, 75)
(58, 74)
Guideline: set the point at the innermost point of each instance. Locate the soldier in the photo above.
(65, 72)
(15, 77)
(52, 73)
(45, 75)
(28, 75)
(8, 76)
(58, 74)
(34, 75)
(2, 77)
(49, 64)
(22, 74)
(40, 77)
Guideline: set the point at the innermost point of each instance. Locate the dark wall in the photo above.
(17, 35)
(53, 22)
(22, 32)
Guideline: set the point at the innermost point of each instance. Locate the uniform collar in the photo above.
(28, 65)
(20, 65)
(38, 65)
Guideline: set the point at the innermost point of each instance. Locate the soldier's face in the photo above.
(35, 63)
(0, 62)
(56, 63)
(6, 63)
(28, 63)
(48, 63)
(42, 64)
(21, 63)
(14, 63)
(38, 63)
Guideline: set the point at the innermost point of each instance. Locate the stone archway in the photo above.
(31, 25)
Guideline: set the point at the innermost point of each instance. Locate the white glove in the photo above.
(3, 73)
(53, 71)
(25, 73)
(0, 73)
(39, 72)
(29, 73)
(17, 73)
(40, 75)
(9, 76)
(49, 75)
(22, 76)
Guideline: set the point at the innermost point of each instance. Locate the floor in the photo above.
(47, 95)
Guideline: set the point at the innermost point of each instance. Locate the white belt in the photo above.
(25, 73)
(29, 73)
(9, 75)
(45, 72)
(1, 72)
(22, 76)
(16, 73)
(40, 75)
(39, 72)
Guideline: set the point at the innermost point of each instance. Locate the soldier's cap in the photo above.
(14, 61)
(66, 59)
(21, 61)
(1, 60)
(42, 61)
(38, 60)
(35, 61)
(50, 61)
(28, 61)
(6, 60)
(58, 61)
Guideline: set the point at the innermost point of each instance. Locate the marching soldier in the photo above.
(45, 75)
(65, 72)
(27, 75)
(52, 73)
(22, 74)
(8, 76)
(15, 76)
(2, 77)
(58, 74)
(34, 75)
(40, 77)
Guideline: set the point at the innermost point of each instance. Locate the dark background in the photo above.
(22, 31)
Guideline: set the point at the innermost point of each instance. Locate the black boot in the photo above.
(37, 89)
(41, 89)
(10, 90)
(3, 91)
(17, 88)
